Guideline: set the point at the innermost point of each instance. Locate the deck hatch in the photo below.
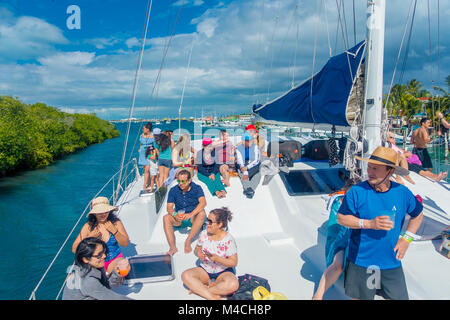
(311, 182)
(150, 268)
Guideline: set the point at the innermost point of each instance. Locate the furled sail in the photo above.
(332, 100)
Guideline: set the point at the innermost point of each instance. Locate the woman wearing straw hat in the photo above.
(105, 225)
(375, 210)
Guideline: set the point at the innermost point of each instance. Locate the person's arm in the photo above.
(353, 222)
(229, 262)
(85, 233)
(201, 205)
(403, 244)
(170, 208)
(92, 287)
(256, 160)
(415, 209)
(411, 141)
(239, 160)
(199, 253)
(118, 230)
(348, 215)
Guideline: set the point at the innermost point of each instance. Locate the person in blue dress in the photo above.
(336, 242)
(146, 139)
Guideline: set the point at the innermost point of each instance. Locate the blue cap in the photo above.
(156, 131)
(246, 137)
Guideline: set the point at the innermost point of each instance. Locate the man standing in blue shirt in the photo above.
(375, 211)
(189, 197)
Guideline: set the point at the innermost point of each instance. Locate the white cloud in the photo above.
(68, 59)
(28, 38)
(188, 3)
(132, 42)
(102, 43)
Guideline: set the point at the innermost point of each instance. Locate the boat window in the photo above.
(150, 268)
(310, 182)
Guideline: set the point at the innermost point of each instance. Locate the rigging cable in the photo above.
(166, 49)
(398, 55)
(277, 17)
(408, 43)
(255, 98)
(184, 86)
(133, 99)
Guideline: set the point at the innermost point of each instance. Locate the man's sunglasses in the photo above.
(181, 181)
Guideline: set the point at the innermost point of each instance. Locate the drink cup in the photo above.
(180, 213)
(390, 214)
(124, 267)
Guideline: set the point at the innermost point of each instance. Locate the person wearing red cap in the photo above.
(257, 138)
(208, 169)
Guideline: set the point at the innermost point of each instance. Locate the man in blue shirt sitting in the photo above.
(375, 211)
(248, 158)
(189, 197)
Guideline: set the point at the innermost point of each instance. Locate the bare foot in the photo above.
(187, 246)
(172, 251)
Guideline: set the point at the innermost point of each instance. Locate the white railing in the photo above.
(126, 181)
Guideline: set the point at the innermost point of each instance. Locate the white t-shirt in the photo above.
(224, 248)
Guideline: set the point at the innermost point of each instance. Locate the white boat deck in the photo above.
(280, 238)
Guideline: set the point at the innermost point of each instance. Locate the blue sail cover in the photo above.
(331, 88)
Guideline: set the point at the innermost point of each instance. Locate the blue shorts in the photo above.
(165, 163)
(213, 276)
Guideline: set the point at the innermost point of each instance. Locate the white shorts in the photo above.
(153, 169)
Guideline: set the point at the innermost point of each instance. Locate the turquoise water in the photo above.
(39, 208)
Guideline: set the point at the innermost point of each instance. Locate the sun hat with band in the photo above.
(387, 157)
(101, 205)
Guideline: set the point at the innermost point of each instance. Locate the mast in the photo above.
(373, 95)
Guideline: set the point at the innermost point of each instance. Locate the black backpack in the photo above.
(248, 283)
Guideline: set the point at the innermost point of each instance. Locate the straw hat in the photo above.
(101, 205)
(387, 157)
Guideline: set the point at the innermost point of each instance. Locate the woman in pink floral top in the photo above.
(217, 251)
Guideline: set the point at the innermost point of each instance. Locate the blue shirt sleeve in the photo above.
(348, 206)
(171, 196)
(199, 191)
(414, 207)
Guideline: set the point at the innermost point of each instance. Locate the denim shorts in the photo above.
(214, 276)
(165, 163)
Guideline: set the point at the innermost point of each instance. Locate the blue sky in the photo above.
(243, 51)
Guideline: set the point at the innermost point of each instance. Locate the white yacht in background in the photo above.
(280, 233)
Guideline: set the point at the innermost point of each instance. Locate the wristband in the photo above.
(407, 238)
(361, 223)
(412, 235)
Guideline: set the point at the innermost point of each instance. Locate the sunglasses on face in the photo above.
(181, 181)
(209, 221)
(100, 255)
